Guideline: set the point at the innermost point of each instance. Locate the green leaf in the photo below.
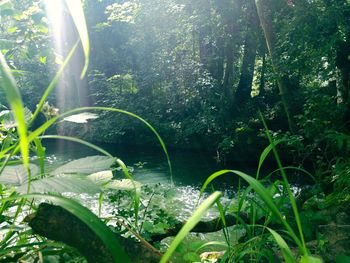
(264, 154)
(14, 98)
(40, 150)
(190, 224)
(87, 165)
(212, 177)
(76, 9)
(12, 29)
(310, 259)
(262, 192)
(42, 60)
(155, 228)
(212, 243)
(62, 184)
(123, 184)
(42, 28)
(17, 174)
(195, 245)
(77, 140)
(286, 252)
(101, 178)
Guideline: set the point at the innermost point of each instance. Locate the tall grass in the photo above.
(272, 208)
(14, 98)
(190, 224)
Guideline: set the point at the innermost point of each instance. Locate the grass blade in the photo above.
(264, 154)
(191, 223)
(77, 140)
(264, 195)
(286, 252)
(14, 98)
(212, 243)
(311, 259)
(302, 246)
(41, 156)
(293, 168)
(212, 177)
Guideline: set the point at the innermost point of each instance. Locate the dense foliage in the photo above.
(196, 69)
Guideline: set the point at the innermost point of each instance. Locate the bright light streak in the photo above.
(54, 11)
(70, 90)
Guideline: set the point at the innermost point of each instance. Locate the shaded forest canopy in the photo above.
(199, 70)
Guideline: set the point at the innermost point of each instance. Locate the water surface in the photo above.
(149, 165)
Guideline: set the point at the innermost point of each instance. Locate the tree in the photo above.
(264, 13)
(250, 51)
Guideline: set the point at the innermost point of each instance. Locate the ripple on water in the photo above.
(177, 201)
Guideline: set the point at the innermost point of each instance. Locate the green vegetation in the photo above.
(258, 84)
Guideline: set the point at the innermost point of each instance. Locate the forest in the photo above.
(175, 131)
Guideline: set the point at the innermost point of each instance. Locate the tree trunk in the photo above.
(227, 81)
(343, 65)
(229, 13)
(264, 14)
(250, 49)
(58, 224)
(262, 76)
(219, 72)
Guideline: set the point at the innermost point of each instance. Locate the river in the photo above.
(149, 165)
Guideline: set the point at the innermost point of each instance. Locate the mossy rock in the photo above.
(337, 238)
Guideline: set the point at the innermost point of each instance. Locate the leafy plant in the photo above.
(272, 209)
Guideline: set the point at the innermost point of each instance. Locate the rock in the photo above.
(338, 239)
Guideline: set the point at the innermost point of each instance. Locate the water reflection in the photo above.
(148, 165)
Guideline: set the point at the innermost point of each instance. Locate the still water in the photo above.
(149, 165)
